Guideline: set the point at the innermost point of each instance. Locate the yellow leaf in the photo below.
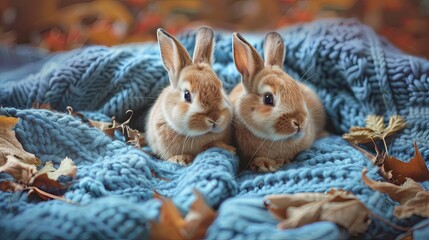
(359, 136)
(396, 123)
(374, 129)
(376, 123)
(8, 122)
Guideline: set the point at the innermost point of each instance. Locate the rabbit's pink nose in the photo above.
(297, 125)
(212, 122)
(215, 127)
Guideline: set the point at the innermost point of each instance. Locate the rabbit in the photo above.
(193, 113)
(275, 117)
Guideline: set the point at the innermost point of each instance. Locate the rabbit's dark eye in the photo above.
(187, 96)
(268, 99)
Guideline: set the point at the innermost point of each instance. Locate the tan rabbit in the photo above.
(275, 117)
(193, 113)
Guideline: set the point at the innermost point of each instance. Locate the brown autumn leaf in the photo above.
(171, 225)
(46, 106)
(338, 206)
(28, 178)
(199, 218)
(48, 175)
(22, 172)
(416, 168)
(7, 186)
(132, 136)
(105, 127)
(375, 129)
(412, 197)
(9, 145)
(170, 221)
(153, 173)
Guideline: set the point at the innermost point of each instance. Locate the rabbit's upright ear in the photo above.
(274, 50)
(204, 44)
(247, 61)
(173, 54)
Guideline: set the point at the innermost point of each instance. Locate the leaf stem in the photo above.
(385, 145)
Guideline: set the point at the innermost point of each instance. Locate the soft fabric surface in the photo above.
(355, 73)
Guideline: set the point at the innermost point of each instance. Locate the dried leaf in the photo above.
(134, 137)
(9, 145)
(19, 170)
(359, 135)
(396, 123)
(376, 123)
(48, 175)
(28, 178)
(337, 206)
(66, 168)
(46, 106)
(153, 173)
(375, 129)
(7, 186)
(170, 221)
(412, 197)
(46, 196)
(103, 126)
(199, 218)
(416, 168)
(171, 225)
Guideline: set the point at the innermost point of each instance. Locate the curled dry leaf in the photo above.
(416, 168)
(155, 175)
(46, 106)
(338, 206)
(28, 178)
(9, 145)
(47, 176)
(6, 186)
(396, 123)
(132, 136)
(375, 129)
(171, 225)
(412, 197)
(199, 218)
(19, 170)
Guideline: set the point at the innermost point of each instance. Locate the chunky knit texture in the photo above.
(355, 72)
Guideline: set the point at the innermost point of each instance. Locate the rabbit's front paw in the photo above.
(183, 159)
(263, 164)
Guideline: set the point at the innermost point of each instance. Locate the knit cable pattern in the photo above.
(355, 72)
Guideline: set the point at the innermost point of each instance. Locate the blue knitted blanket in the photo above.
(354, 71)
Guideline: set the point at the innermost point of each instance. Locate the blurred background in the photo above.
(58, 25)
